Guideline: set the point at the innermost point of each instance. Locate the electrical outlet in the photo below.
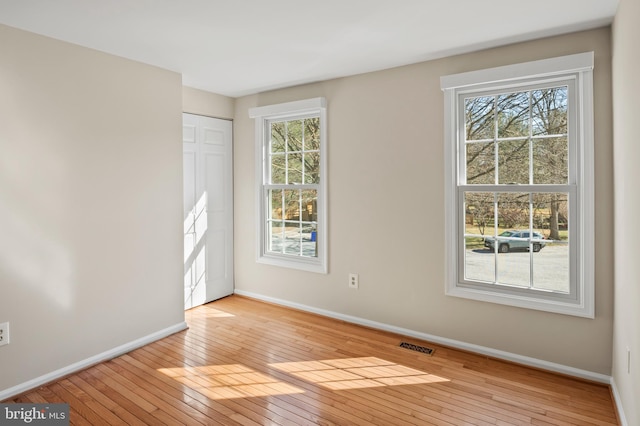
(4, 333)
(353, 281)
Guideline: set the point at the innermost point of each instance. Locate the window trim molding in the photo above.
(262, 116)
(580, 67)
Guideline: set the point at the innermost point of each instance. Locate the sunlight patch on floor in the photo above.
(205, 311)
(356, 373)
(229, 381)
(213, 313)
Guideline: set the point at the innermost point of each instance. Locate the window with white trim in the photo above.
(291, 182)
(519, 185)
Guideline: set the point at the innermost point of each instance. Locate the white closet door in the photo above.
(208, 209)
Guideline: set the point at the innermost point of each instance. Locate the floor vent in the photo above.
(417, 348)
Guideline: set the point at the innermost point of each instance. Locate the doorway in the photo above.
(208, 209)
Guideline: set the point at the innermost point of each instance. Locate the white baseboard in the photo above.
(81, 365)
(618, 401)
(494, 353)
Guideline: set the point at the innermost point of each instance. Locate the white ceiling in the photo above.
(239, 47)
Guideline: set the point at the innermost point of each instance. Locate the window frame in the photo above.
(577, 69)
(264, 115)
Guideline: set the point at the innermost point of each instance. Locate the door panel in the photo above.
(213, 136)
(215, 183)
(208, 209)
(216, 255)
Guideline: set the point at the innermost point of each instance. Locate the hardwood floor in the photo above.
(245, 362)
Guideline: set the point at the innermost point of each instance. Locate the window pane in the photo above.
(277, 136)
(278, 169)
(479, 118)
(551, 161)
(275, 198)
(292, 204)
(551, 215)
(479, 260)
(479, 213)
(514, 268)
(310, 240)
(513, 115)
(513, 160)
(312, 134)
(513, 210)
(551, 268)
(309, 205)
(479, 263)
(294, 135)
(312, 167)
(294, 168)
(292, 236)
(549, 111)
(481, 163)
(274, 236)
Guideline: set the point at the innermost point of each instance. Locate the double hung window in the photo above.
(290, 162)
(519, 185)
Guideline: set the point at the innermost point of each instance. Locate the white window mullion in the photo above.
(300, 222)
(496, 144)
(286, 152)
(283, 228)
(496, 278)
(302, 155)
(530, 136)
(461, 151)
(531, 252)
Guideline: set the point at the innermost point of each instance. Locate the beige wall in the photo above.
(626, 92)
(90, 203)
(199, 102)
(386, 215)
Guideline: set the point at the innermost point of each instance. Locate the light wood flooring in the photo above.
(245, 362)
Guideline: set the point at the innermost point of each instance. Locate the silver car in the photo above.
(516, 240)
